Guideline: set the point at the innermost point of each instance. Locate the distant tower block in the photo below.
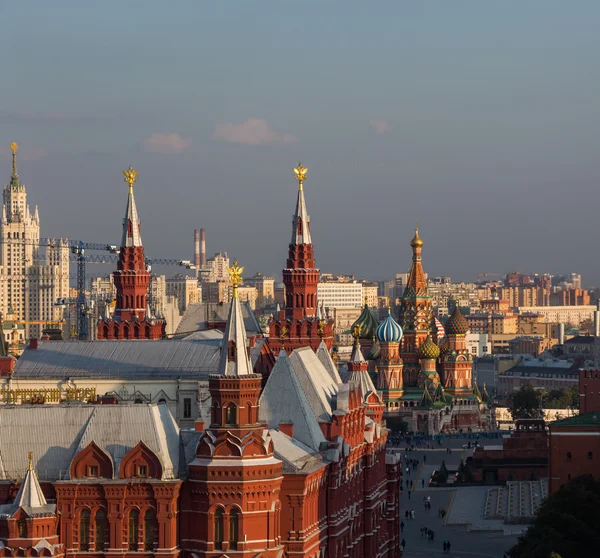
(202, 247)
(197, 250)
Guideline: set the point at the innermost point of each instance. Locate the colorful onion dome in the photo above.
(389, 331)
(456, 324)
(375, 351)
(416, 242)
(429, 350)
(366, 322)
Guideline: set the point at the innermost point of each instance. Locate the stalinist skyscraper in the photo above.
(29, 285)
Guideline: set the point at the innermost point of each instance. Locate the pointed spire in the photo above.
(301, 230)
(36, 214)
(30, 493)
(234, 354)
(416, 284)
(132, 235)
(357, 355)
(14, 178)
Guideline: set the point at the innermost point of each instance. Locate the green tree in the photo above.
(396, 425)
(525, 403)
(568, 523)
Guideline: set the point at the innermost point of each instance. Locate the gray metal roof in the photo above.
(198, 315)
(57, 433)
(160, 359)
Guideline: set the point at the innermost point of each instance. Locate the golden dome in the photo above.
(416, 242)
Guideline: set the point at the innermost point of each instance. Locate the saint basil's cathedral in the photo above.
(423, 370)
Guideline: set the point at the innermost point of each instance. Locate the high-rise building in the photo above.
(215, 269)
(265, 287)
(340, 293)
(29, 284)
(132, 318)
(299, 325)
(185, 289)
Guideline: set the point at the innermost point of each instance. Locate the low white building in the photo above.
(340, 294)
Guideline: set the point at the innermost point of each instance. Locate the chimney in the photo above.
(202, 247)
(596, 323)
(287, 428)
(197, 250)
(33, 344)
(199, 426)
(561, 334)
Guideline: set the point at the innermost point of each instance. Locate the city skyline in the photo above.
(397, 118)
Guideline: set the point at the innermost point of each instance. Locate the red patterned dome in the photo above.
(456, 324)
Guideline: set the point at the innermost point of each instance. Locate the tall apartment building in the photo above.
(340, 294)
(29, 283)
(215, 269)
(570, 297)
(185, 289)
(265, 287)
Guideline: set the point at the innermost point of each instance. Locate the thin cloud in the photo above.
(254, 131)
(379, 126)
(166, 143)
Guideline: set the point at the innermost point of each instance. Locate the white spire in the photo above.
(30, 494)
(301, 230)
(234, 353)
(357, 355)
(131, 224)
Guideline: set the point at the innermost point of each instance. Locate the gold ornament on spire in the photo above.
(30, 458)
(416, 242)
(282, 336)
(130, 177)
(300, 173)
(356, 331)
(14, 146)
(235, 275)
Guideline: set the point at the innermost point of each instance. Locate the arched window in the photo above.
(149, 530)
(219, 529)
(22, 526)
(134, 527)
(84, 531)
(233, 529)
(100, 530)
(230, 415)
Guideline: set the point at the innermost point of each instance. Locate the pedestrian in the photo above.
(432, 535)
(403, 543)
(448, 545)
(412, 514)
(409, 494)
(424, 459)
(401, 526)
(406, 514)
(445, 547)
(422, 483)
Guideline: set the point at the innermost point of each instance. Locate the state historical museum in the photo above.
(297, 468)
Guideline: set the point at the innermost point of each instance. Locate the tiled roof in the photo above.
(55, 434)
(120, 359)
(580, 340)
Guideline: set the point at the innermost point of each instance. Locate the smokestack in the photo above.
(202, 247)
(561, 334)
(197, 250)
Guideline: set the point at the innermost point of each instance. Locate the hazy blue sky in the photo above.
(479, 119)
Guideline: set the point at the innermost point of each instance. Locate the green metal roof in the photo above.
(587, 419)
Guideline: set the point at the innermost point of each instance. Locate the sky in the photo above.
(481, 120)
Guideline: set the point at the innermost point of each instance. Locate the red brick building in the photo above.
(575, 441)
(299, 325)
(300, 469)
(522, 456)
(131, 318)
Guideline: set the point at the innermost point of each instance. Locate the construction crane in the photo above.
(481, 276)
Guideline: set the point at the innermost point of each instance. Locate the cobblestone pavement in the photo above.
(469, 534)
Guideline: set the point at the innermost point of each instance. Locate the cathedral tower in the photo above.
(389, 366)
(299, 325)
(232, 502)
(417, 314)
(457, 362)
(131, 319)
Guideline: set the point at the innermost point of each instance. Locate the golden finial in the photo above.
(14, 146)
(282, 334)
(300, 173)
(235, 275)
(321, 329)
(416, 242)
(356, 332)
(130, 177)
(30, 458)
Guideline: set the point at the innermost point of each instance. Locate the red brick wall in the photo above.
(589, 391)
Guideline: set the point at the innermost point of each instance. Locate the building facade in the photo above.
(30, 283)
